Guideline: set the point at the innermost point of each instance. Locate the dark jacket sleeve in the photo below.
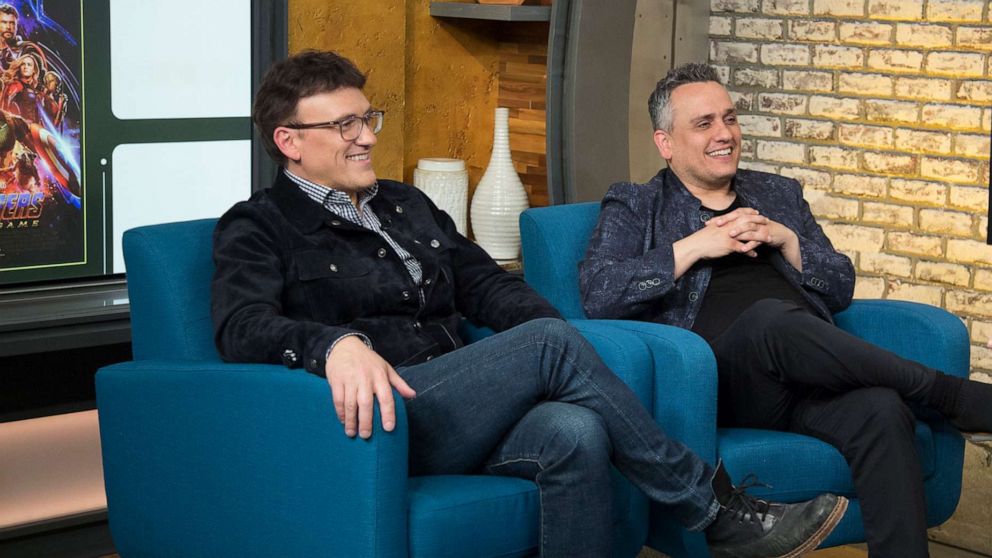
(485, 293)
(826, 272)
(247, 290)
(621, 276)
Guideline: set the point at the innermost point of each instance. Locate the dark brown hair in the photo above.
(304, 74)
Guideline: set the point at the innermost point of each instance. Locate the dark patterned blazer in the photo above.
(628, 271)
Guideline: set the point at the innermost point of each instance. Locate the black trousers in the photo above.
(782, 368)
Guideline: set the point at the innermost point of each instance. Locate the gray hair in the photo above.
(658, 103)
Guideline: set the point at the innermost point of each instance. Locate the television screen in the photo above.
(116, 114)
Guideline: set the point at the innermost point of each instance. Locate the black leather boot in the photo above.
(748, 527)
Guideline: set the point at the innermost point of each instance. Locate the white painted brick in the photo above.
(925, 294)
(784, 54)
(869, 287)
(951, 116)
(759, 28)
(971, 145)
(759, 125)
(834, 107)
(891, 111)
(987, 119)
(914, 244)
(954, 10)
(807, 80)
(739, 6)
(976, 90)
(781, 151)
(895, 60)
(786, 7)
(839, 8)
(721, 25)
(945, 222)
(885, 264)
(859, 134)
(809, 129)
(723, 72)
(981, 332)
(809, 178)
(950, 170)
(753, 77)
(825, 206)
(889, 163)
(834, 56)
(867, 33)
(923, 35)
(756, 166)
(782, 103)
(854, 237)
(895, 9)
(730, 52)
(805, 30)
(975, 37)
(747, 149)
(929, 89)
(983, 281)
(969, 199)
(918, 191)
(956, 64)
(864, 84)
(920, 141)
(860, 185)
(741, 99)
(951, 274)
(969, 303)
(894, 216)
(833, 157)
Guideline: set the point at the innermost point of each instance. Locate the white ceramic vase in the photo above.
(445, 181)
(499, 198)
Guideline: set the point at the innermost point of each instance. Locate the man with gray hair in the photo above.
(737, 257)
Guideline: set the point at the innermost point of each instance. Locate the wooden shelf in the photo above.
(493, 12)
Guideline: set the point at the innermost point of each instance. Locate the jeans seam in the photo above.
(540, 493)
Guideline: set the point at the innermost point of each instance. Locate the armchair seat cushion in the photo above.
(801, 466)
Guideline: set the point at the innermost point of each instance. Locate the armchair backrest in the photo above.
(169, 269)
(554, 240)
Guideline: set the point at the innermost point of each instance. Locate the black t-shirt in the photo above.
(738, 281)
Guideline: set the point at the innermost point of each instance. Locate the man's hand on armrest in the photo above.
(357, 376)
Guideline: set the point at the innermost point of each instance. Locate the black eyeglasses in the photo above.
(349, 126)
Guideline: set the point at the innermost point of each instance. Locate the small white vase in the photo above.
(499, 198)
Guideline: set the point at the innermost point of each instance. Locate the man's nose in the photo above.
(367, 137)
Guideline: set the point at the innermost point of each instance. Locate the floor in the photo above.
(860, 551)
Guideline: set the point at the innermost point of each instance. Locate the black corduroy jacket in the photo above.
(291, 278)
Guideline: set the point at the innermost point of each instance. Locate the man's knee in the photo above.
(551, 330)
(579, 434)
(884, 416)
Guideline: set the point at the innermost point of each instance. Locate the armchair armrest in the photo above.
(936, 338)
(912, 330)
(259, 451)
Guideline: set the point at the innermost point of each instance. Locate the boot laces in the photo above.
(744, 506)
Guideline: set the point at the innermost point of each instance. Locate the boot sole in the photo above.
(828, 526)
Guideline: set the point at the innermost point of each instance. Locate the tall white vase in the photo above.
(499, 198)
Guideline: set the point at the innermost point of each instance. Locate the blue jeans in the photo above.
(537, 402)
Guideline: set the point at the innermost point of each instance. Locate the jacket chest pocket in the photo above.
(336, 288)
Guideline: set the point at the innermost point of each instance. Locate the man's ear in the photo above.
(285, 140)
(663, 141)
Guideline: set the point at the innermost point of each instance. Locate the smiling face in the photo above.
(320, 155)
(703, 146)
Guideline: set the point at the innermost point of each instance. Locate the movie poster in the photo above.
(41, 192)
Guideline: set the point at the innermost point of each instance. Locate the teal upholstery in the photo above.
(797, 467)
(210, 459)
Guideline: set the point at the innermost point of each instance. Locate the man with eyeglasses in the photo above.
(364, 282)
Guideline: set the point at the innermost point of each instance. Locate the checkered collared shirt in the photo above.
(338, 203)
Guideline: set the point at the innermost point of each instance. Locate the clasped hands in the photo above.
(358, 376)
(741, 231)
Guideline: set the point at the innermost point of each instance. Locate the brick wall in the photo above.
(881, 108)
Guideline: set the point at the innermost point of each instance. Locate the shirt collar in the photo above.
(329, 197)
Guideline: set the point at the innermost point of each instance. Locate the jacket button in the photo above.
(428, 281)
(641, 286)
(416, 326)
(399, 209)
(289, 357)
(313, 364)
(693, 296)
(405, 295)
(381, 253)
(333, 268)
(705, 217)
(435, 243)
(335, 222)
